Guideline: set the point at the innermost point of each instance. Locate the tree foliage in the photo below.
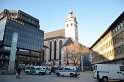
(75, 51)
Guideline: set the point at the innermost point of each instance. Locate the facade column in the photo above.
(62, 56)
(46, 56)
(13, 53)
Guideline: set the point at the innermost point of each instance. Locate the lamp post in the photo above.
(81, 62)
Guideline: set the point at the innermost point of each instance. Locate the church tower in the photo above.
(71, 26)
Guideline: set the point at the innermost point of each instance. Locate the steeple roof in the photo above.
(70, 16)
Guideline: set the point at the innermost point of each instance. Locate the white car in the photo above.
(48, 70)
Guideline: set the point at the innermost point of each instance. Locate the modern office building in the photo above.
(109, 48)
(30, 37)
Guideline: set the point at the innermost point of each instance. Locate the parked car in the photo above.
(35, 70)
(48, 70)
(71, 71)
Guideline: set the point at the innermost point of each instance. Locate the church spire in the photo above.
(71, 26)
(70, 14)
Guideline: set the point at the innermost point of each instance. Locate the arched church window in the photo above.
(54, 50)
(59, 62)
(67, 62)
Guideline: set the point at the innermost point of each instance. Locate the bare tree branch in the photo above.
(74, 52)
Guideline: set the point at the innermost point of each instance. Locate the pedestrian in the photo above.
(18, 70)
(52, 70)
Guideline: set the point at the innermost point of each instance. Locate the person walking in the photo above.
(18, 70)
(51, 70)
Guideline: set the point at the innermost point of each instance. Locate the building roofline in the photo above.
(53, 31)
(28, 15)
(112, 26)
(56, 37)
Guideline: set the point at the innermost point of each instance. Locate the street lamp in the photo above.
(81, 61)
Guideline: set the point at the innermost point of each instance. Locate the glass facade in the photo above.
(29, 19)
(29, 38)
(2, 28)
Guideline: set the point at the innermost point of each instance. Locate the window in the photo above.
(116, 50)
(60, 68)
(119, 27)
(121, 24)
(71, 24)
(121, 68)
(67, 62)
(95, 67)
(116, 29)
(59, 62)
(121, 49)
(32, 68)
(27, 68)
(113, 30)
(37, 68)
(68, 69)
(67, 25)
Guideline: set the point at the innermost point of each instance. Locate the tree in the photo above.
(74, 52)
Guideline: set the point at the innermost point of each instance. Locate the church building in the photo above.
(56, 40)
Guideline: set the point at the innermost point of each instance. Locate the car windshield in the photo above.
(27, 68)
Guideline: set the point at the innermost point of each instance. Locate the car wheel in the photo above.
(75, 75)
(105, 79)
(40, 73)
(27, 72)
(57, 74)
(49, 73)
(71, 75)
